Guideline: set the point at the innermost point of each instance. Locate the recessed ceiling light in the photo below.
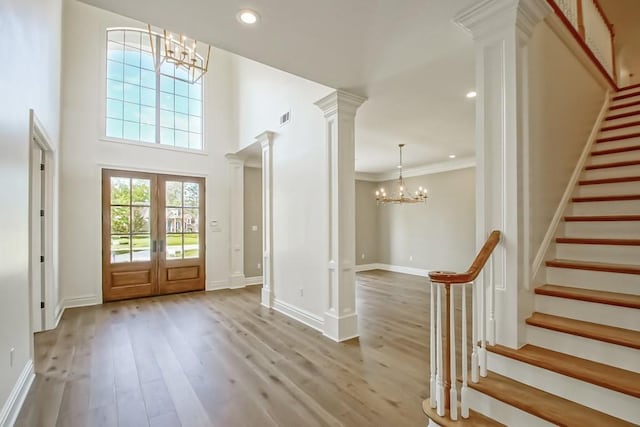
(472, 94)
(452, 156)
(248, 16)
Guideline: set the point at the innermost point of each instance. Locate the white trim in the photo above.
(451, 165)
(59, 311)
(155, 145)
(395, 268)
(214, 285)
(81, 301)
(250, 281)
(547, 242)
(302, 316)
(13, 404)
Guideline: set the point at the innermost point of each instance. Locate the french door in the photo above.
(152, 234)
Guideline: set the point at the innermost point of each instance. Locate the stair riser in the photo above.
(620, 143)
(635, 98)
(502, 412)
(620, 317)
(625, 110)
(585, 348)
(615, 254)
(603, 229)
(622, 120)
(633, 89)
(619, 207)
(614, 157)
(621, 188)
(615, 172)
(595, 280)
(596, 397)
(619, 132)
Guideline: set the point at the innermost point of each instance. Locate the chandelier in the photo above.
(401, 194)
(181, 51)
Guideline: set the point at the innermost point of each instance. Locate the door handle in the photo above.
(155, 246)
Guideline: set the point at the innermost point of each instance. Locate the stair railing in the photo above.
(443, 359)
(592, 29)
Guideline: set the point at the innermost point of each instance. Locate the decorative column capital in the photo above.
(486, 19)
(340, 101)
(265, 139)
(234, 159)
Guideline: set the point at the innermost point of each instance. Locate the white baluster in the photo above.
(464, 392)
(482, 352)
(474, 333)
(432, 343)
(439, 373)
(492, 313)
(453, 392)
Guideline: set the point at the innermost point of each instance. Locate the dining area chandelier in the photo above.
(400, 193)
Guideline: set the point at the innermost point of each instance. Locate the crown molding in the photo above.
(340, 100)
(451, 165)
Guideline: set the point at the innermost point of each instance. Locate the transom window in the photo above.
(145, 104)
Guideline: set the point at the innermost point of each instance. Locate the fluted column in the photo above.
(236, 220)
(266, 142)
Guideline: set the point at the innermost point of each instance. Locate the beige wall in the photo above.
(437, 235)
(252, 217)
(366, 223)
(565, 102)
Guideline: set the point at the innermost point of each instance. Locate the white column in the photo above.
(340, 318)
(501, 30)
(236, 221)
(266, 142)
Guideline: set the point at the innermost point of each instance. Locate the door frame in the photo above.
(42, 319)
(100, 166)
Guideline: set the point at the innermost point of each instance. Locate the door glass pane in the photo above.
(120, 191)
(141, 247)
(120, 219)
(174, 194)
(190, 219)
(174, 246)
(141, 192)
(120, 248)
(191, 246)
(191, 194)
(174, 220)
(141, 220)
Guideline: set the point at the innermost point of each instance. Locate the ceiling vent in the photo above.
(285, 118)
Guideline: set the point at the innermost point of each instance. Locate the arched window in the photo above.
(145, 104)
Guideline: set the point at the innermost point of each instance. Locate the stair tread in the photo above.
(549, 407)
(596, 331)
(613, 165)
(626, 95)
(594, 266)
(622, 115)
(590, 295)
(628, 104)
(609, 180)
(618, 137)
(621, 197)
(579, 218)
(633, 86)
(475, 418)
(620, 380)
(616, 150)
(620, 126)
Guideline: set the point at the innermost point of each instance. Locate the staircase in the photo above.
(581, 366)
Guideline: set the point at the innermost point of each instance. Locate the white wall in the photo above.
(252, 217)
(367, 225)
(29, 78)
(84, 152)
(565, 99)
(300, 168)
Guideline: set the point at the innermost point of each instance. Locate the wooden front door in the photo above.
(152, 239)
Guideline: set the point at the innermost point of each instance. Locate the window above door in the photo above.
(144, 104)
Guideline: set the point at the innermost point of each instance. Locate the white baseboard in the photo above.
(82, 301)
(12, 406)
(214, 285)
(303, 316)
(250, 281)
(395, 268)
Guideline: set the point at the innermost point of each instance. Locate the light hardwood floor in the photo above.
(221, 359)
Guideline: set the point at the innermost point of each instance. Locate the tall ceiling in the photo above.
(414, 65)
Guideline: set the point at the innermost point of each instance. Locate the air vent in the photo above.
(285, 118)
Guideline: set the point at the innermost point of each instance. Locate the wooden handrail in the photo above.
(603, 15)
(470, 275)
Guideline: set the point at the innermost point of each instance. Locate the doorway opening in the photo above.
(152, 239)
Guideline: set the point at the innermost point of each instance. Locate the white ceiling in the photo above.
(406, 56)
